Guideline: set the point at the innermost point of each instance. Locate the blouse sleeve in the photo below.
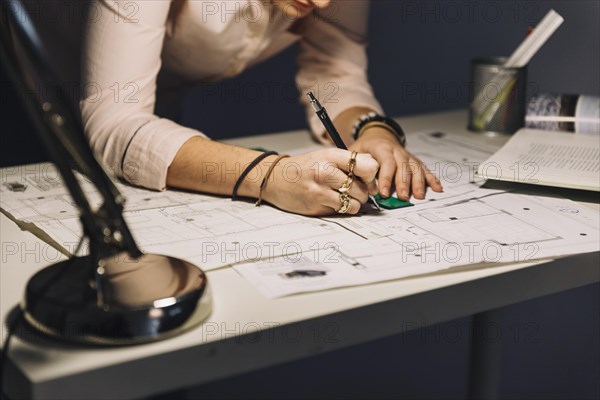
(121, 61)
(333, 61)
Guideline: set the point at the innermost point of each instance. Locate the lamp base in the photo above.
(117, 300)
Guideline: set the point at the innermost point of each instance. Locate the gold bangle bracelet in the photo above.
(375, 124)
(263, 184)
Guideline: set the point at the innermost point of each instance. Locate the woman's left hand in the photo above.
(398, 167)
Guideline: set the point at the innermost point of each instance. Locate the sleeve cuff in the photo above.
(152, 150)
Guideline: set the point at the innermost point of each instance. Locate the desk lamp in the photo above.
(116, 294)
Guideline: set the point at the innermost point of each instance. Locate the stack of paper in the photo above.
(547, 158)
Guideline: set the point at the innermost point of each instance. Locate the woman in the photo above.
(128, 42)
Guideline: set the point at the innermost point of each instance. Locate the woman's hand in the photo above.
(308, 184)
(398, 167)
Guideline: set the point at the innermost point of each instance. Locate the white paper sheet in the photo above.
(548, 158)
(487, 226)
(283, 254)
(208, 231)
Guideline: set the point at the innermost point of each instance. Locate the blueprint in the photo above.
(208, 231)
(282, 254)
(36, 193)
(482, 227)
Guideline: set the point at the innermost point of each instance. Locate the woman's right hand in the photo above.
(308, 184)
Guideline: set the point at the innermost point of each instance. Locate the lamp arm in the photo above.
(62, 134)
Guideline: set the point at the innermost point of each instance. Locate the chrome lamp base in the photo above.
(118, 300)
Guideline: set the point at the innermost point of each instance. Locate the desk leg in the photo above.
(486, 354)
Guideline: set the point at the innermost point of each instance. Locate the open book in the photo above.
(547, 158)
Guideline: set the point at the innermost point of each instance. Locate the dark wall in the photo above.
(419, 54)
(18, 142)
(422, 63)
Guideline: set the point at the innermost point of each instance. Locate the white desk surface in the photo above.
(284, 329)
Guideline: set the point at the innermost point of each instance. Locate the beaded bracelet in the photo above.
(382, 121)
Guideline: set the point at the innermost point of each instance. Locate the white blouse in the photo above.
(127, 42)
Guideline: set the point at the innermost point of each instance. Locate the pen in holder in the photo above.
(497, 96)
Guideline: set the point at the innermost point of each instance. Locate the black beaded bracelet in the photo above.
(393, 126)
(234, 195)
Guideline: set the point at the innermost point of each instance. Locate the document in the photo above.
(36, 193)
(453, 159)
(209, 231)
(485, 227)
(547, 158)
(283, 254)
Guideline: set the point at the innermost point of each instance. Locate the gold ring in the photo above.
(352, 162)
(345, 199)
(347, 184)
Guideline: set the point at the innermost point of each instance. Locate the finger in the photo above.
(403, 178)
(429, 177)
(432, 180)
(418, 180)
(372, 188)
(358, 189)
(332, 200)
(387, 170)
(366, 167)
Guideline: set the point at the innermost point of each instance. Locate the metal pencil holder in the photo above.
(496, 97)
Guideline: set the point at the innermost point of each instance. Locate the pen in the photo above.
(333, 132)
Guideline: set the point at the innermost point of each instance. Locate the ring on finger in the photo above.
(352, 162)
(347, 184)
(345, 200)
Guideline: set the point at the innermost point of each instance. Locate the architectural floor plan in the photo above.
(282, 253)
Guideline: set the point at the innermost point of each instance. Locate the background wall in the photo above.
(419, 53)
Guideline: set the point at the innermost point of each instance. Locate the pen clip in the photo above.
(314, 102)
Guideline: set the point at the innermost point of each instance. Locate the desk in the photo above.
(247, 331)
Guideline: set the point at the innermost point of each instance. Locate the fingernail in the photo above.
(385, 192)
(404, 194)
